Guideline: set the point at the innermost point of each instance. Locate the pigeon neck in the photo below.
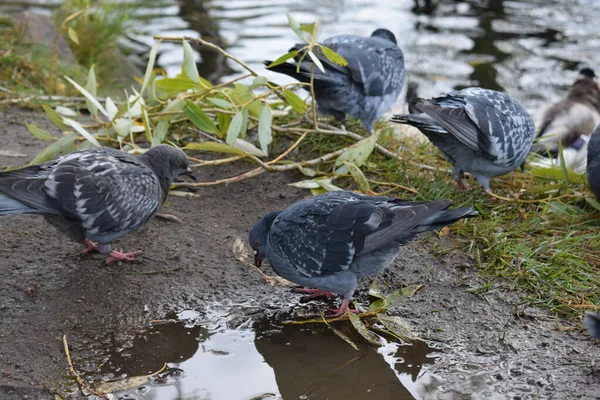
(157, 165)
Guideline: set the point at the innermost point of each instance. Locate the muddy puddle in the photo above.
(218, 355)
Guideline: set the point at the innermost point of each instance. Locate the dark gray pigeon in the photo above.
(97, 195)
(571, 118)
(364, 89)
(593, 162)
(592, 322)
(481, 131)
(330, 241)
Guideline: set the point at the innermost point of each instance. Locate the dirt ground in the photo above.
(489, 343)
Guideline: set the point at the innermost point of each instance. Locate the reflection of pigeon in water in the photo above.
(593, 162)
(330, 241)
(95, 195)
(366, 88)
(592, 322)
(481, 131)
(575, 116)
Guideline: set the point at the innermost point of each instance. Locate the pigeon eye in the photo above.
(180, 166)
(256, 242)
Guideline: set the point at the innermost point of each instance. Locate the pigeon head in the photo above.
(587, 73)
(384, 34)
(258, 236)
(168, 163)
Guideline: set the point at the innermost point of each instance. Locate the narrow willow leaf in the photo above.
(65, 144)
(147, 126)
(39, 133)
(177, 85)
(358, 176)
(234, 128)
(333, 56)
(397, 326)
(308, 28)
(220, 102)
(307, 171)
(199, 118)
(65, 111)
(398, 295)
(307, 184)
(81, 130)
(259, 81)
(340, 334)
(122, 126)
(127, 383)
(357, 154)
(87, 95)
(189, 63)
(284, 58)
(216, 148)
(295, 27)
(410, 290)
(73, 36)
(249, 148)
(54, 117)
(160, 132)
(150, 66)
(370, 336)
(327, 185)
(91, 87)
(377, 305)
(264, 129)
(566, 209)
(316, 60)
(593, 203)
(295, 102)
(73, 16)
(244, 128)
(375, 291)
(558, 174)
(111, 109)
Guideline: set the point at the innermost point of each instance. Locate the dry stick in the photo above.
(76, 375)
(204, 163)
(169, 217)
(206, 135)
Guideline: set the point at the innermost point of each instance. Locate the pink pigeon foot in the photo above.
(89, 246)
(338, 312)
(461, 184)
(314, 293)
(120, 256)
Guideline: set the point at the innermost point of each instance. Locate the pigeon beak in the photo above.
(189, 173)
(258, 260)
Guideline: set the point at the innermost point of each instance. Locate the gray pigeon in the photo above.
(592, 322)
(95, 195)
(481, 131)
(567, 120)
(593, 162)
(330, 241)
(366, 88)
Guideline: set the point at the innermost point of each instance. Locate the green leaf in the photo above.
(199, 118)
(147, 126)
(244, 128)
(91, 87)
(220, 102)
(160, 132)
(557, 174)
(39, 133)
(407, 291)
(316, 61)
(327, 185)
(295, 102)
(410, 290)
(81, 130)
(248, 148)
(295, 27)
(284, 58)
(357, 154)
(189, 64)
(307, 171)
(397, 326)
(54, 117)
(340, 334)
(150, 66)
(308, 28)
(358, 176)
(234, 128)
(73, 16)
(377, 305)
(127, 383)
(87, 95)
(593, 202)
(370, 336)
(177, 85)
(73, 36)
(375, 291)
(333, 56)
(65, 144)
(566, 209)
(216, 148)
(259, 81)
(264, 129)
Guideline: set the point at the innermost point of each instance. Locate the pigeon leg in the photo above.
(120, 256)
(338, 312)
(89, 246)
(458, 176)
(314, 293)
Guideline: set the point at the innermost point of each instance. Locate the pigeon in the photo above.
(330, 241)
(569, 120)
(481, 131)
(364, 89)
(593, 162)
(97, 195)
(592, 322)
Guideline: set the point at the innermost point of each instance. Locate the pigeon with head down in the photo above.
(96, 195)
(480, 131)
(365, 88)
(330, 241)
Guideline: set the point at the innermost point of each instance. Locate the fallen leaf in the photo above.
(240, 251)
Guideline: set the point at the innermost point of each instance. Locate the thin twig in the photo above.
(206, 135)
(169, 217)
(75, 374)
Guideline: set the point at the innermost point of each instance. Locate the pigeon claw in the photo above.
(89, 246)
(338, 312)
(120, 256)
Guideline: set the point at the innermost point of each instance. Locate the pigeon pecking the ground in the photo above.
(365, 88)
(592, 322)
(576, 115)
(593, 162)
(481, 131)
(330, 241)
(97, 195)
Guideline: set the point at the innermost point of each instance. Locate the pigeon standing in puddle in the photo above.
(365, 88)
(95, 196)
(330, 241)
